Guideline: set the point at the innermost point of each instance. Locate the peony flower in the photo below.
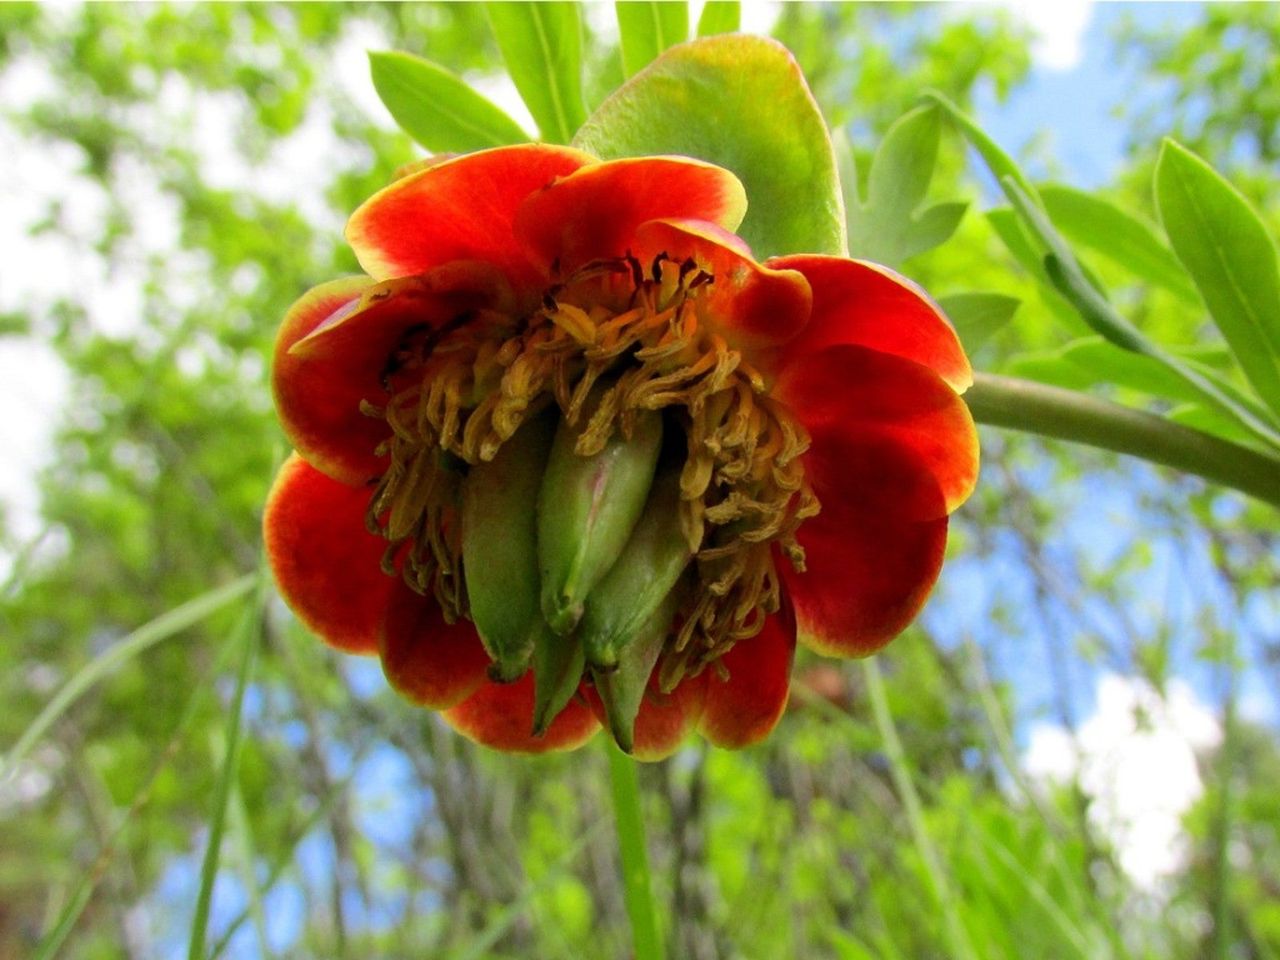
(567, 407)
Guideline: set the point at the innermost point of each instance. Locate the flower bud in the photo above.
(641, 578)
(622, 689)
(587, 508)
(557, 670)
(499, 547)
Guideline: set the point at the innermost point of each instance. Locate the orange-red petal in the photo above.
(325, 563)
(866, 577)
(461, 209)
(885, 431)
(893, 451)
(500, 715)
(745, 707)
(863, 303)
(428, 661)
(753, 306)
(594, 212)
(326, 364)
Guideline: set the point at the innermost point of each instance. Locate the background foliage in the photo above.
(893, 814)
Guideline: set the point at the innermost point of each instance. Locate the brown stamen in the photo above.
(458, 392)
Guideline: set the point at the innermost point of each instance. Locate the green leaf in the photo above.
(998, 162)
(719, 16)
(1005, 222)
(978, 316)
(437, 108)
(647, 28)
(1092, 361)
(541, 44)
(1211, 420)
(741, 102)
(1100, 225)
(1230, 256)
(885, 226)
(1085, 295)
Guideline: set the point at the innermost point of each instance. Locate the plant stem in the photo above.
(956, 935)
(635, 858)
(1069, 415)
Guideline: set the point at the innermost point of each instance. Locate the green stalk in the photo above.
(1070, 415)
(635, 858)
(249, 634)
(959, 945)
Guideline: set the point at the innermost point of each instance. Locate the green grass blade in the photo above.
(246, 857)
(959, 940)
(637, 890)
(248, 635)
(80, 897)
(161, 628)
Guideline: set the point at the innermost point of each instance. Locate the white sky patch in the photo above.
(1136, 760)
(1058, 26)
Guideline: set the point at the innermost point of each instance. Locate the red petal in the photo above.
(500, 715)
(325, 364)
(594, 213)
(893, 451)
(751, 305)
(430, 662)
(743, 709)
(864, 303)
(325, 563)
(866, 576)
(665, 719)
(886, 431)
(461, 209)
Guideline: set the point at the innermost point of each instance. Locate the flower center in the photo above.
(458, 392)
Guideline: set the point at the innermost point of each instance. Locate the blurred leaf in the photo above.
(541, 44)
(719, 16)
(740, 102)
(885, 226)
(1100, 225)
(978, 317)
(645, 29)
(437, 108)
(1231, 257)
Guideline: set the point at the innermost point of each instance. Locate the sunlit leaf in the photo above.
(541, 44)
(1226, 248)
(884, 225)
(646, 28)
(719, 16)
(1093, 222)
(437, 108)
(740, 102)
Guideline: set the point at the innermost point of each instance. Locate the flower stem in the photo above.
(1069, 415)
(635, 858)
